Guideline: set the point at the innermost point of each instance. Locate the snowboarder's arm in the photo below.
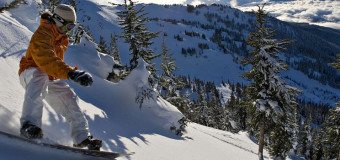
(44, 55)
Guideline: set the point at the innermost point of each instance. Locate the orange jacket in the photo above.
(46, 50)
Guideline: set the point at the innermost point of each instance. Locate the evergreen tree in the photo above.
(191, 114)
(318, 149)
(233, 117)
(296, 120)
(273, 99)
(137, 35)
(337, 66)
(218, 111)
(114, 52)
(204, 112)
(332, 131)
(102, 47)
(279, 141)
(168, 80)
(119, 72)
(332, 128)
(246, 104)
(242, 116)
(305, 138)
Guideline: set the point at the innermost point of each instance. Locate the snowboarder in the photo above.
(40, 72)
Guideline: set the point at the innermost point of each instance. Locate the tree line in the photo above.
(267, 109)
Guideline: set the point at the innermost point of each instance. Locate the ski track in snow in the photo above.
(224, 139)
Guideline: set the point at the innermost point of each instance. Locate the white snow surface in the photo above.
(110, 109)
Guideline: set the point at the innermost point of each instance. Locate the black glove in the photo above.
(80, 77)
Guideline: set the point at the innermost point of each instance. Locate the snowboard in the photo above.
(93, 153)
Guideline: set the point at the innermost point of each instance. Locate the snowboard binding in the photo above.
(90, 143)
(31, 131)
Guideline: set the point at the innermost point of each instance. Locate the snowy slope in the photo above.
(113, 115)
(212, 65)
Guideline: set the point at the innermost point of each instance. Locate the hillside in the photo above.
(110, 107)
(223, 30)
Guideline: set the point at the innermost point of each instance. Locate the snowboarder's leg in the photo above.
(65, 102)
(34, 81)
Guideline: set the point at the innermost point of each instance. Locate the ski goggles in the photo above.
(68, 26)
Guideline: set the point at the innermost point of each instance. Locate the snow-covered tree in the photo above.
(337, 66)
(331, 144)
(204, 112)
(102, 47)
(114, 52)
(279, 141)
(119, 72)
(318, 147)
(305, 138)
(296, 120)
(218, 111)
(273, 100)
(190, 110)
(137, 35)
(233, 117)
(168, 80)
(332, 128)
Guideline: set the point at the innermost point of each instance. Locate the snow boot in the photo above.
(31, 131)
(90, 143)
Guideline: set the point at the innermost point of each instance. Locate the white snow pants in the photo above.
(58, 95)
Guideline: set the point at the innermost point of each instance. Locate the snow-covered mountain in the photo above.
(110, 107)
(319, 12)
(224, 30)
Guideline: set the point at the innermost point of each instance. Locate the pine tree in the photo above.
(318, 150)
(102, 47)
(191, 114)
(279, 141)
(217, 111)
(232, 112)
(296, 120)
(204, 112)
(273, 99)
(168, 80)
(137, 35)
(332, 127)
(119, 72)
(331, 143)
(114, 52)
(246, 104)
(305, 138)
